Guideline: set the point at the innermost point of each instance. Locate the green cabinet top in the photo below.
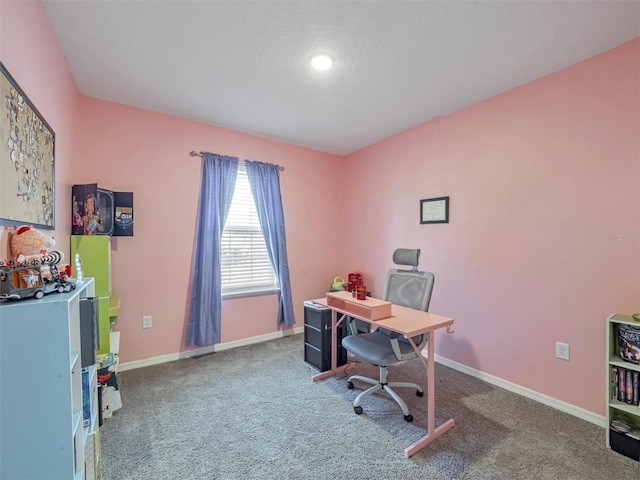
(95, 254)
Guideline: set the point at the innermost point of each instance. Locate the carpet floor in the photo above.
(254, 412)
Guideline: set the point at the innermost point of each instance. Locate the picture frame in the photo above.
(27, 159)
(434, 210)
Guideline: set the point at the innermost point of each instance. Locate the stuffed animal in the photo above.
(28, 244)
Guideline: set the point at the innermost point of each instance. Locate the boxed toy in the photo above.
(97, 211)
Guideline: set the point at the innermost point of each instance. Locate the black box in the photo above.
(88, 331)
(627, 446)
(317, 338)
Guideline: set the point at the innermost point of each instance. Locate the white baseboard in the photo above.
(512, 387)
(525, 392)
(147, 362)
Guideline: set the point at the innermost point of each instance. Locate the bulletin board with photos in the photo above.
(27, 159)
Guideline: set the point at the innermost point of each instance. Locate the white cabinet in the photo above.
(42, 434)
(623, 392)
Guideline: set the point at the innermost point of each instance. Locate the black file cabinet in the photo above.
(317, 338)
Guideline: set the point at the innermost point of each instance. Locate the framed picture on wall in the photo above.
(27, 159)
(434, 210)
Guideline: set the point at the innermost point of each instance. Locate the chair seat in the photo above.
(373, 348)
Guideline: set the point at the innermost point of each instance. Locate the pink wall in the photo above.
(545, 211)
(30, 52)
(127, 149)
(544, 227)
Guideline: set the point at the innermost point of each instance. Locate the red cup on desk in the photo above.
(361, 292)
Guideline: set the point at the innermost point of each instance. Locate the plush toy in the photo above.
(28, 244)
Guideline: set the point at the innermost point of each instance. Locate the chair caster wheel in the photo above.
(408, 418)
(359, 411)
(350, 385)
(419, 393)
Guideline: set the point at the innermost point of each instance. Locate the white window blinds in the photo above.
(245, 262)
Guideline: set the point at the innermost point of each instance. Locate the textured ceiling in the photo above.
(244, 65)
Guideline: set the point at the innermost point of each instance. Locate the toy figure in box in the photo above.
(91, 221)
(97, 211)
(86, 219)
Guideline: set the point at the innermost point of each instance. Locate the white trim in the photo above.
(147, 362)
(598, 420)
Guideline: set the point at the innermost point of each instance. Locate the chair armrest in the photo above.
(396, 348)
(352, 325)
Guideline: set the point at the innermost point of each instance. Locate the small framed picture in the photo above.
(434, 210)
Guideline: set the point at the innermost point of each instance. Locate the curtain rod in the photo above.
(193, 153)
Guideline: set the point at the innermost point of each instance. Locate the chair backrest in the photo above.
(409, 288)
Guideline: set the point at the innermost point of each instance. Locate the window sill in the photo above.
(250, 293)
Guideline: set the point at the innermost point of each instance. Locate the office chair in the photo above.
(409, 288)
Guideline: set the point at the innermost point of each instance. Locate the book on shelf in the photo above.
(622, 384)
(625, 385)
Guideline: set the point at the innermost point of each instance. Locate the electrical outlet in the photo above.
(562, 350)
(146, 321)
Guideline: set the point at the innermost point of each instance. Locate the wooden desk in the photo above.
(403, 320)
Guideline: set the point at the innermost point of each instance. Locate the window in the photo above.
(245, 261)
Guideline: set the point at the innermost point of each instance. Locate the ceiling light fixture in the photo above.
(321, 61)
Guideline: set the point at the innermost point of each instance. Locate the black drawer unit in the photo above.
(317, 338)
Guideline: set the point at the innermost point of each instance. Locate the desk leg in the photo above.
(427, 439)
(432, 431)
(334, 339)
(334, 354)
